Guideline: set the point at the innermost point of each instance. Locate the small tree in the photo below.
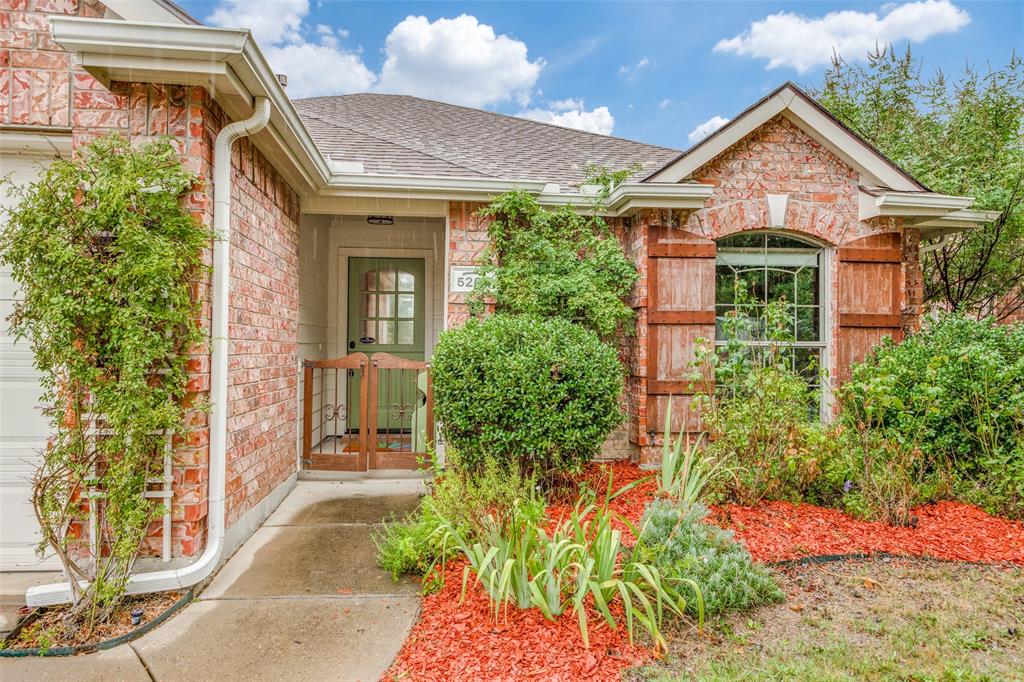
(105, 256)
(962, 138)
(561, 263)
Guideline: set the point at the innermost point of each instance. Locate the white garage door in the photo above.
(23, 429)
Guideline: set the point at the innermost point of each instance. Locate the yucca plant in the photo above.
(686, 469)
(581, 562)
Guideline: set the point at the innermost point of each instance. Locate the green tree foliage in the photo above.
(962, 137)
(105, 256)
(559, 263)
(533, 393)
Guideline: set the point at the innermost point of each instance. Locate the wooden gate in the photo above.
(394, 400)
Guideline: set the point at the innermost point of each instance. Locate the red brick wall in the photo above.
(467, 238)
(35, 73)
(263, 313)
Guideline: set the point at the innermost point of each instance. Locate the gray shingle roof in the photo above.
(403, 135)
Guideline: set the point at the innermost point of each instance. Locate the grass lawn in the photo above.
(866, 620)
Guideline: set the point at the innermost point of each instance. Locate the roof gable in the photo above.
(796, 106)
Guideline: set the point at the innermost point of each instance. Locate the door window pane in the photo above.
(406, 281)
(368, 305)
(385, 332)
(367, 331)
(387, 279)
(386, 305)
(406, 305)
(370, 280)
(406, 332)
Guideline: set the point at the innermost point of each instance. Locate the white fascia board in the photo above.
(226, 61)
(691, 161)
(786, 101)
(35, 143)
(911, 205)
(147, 10)
(957, 221)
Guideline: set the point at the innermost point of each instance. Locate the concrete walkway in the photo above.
(303, 599)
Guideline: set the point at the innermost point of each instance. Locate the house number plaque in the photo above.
(463, 278)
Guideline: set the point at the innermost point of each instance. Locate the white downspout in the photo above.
(202, 568)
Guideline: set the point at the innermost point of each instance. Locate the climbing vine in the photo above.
(106, 257)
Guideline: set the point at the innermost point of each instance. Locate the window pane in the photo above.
(368, 305)
(406, 332)
(752, 282)
(807, 286)
(406, 305)
(808, 327)
(370, 280)
(386, 305)
(725, 284)
(387, 279)
(367, 331)
(743, 240)
(808, 363)
(385, 332)
(406, 281)
(781, 285)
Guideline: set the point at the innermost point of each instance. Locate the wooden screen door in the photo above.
(386, 314)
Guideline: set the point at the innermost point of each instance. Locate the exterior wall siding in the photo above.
(263, 310)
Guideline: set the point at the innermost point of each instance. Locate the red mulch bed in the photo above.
(454, 641)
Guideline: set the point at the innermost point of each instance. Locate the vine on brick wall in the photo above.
(105, 255)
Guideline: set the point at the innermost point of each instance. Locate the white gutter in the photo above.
(204, 566)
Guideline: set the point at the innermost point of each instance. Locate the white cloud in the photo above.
(321, 68)
(706, 128)
(664, 103)
(457, 60)
(571, 113)
(271, 21)
(801, 42)
(631, 71)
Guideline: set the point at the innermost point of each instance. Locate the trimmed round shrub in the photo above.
(539, 393)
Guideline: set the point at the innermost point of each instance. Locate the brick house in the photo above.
(352, 229)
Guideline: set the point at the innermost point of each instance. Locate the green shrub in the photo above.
(458, 498)
(537, 394)
(411, 545)
(954, 393)
(681, 544)
(959, 379)
(762, 415)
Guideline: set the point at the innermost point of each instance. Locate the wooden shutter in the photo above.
(870, 273)
(681, 309)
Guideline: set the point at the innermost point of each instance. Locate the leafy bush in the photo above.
(561, 264)
(960, 380)
(681, 544)
(761, 414)
(458, 498)
(954, 393)
(537, 394)
(582, 562)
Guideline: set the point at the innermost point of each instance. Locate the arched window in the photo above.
(770, 267)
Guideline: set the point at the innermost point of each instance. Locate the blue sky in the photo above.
(663, 73)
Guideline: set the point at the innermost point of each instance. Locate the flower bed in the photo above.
(464, 641)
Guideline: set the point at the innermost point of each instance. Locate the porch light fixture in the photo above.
(380, 219)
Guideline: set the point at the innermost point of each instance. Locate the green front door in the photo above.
(386, 312)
